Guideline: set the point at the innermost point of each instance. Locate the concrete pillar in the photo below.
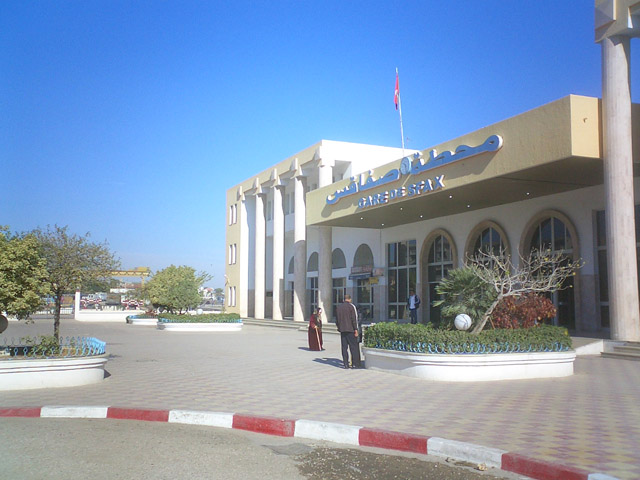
(300, 251)
(624, 309)
(242, 290)
(76, 305)
(325, 274)
(260, 256)
(278, 253)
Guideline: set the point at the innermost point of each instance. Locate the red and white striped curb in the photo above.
(332, 432)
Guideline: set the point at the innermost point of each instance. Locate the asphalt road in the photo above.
(75, 449)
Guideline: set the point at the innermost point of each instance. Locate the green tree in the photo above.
(22, 274)
(72, 261)
(175, 288)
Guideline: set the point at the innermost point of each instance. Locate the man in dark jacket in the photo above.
(347, 323)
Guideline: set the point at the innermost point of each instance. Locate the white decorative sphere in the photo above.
(199, 311)
(463, 322)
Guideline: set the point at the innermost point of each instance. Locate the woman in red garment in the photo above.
(315, 331)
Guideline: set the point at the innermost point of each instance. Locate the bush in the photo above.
(462, 291)
(427, 339)
(206, 318)
(523, 311)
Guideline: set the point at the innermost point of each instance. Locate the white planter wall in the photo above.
(471, 367)
(51, 372)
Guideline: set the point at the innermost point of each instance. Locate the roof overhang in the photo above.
(554, 148)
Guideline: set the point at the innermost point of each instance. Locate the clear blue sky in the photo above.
(130, 120)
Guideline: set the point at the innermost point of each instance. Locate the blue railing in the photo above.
(470, 348)
(68, 347)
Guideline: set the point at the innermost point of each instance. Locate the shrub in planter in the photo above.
(462, 291)
(206, 318)
(427, 339)
(524, 311)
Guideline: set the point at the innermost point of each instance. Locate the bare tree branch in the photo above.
(541, 272)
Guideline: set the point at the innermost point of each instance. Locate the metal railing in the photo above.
(470, 348)
(46, 347)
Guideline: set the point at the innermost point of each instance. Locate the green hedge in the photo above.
(427, 339)
(205, 318)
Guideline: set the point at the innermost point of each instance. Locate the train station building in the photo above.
(349, 218)
(375, 222)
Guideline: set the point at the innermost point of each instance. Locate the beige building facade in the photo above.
(375, 223)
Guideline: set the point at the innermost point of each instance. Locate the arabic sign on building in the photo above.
(365, 181)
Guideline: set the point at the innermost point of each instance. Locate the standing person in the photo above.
(413, 302)
(347, 323)
(315, 331)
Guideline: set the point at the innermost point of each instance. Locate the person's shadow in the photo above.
(333, 362)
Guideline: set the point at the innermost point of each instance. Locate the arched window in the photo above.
(553, 232)
(291, 265)
(312, 264)
(487, 238)
(439, 261)
(338, 260)
(363, 256)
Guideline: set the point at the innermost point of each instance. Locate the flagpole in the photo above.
(400, 108)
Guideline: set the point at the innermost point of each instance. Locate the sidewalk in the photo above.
(589, 421)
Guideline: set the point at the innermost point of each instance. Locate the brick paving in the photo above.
(590, 420)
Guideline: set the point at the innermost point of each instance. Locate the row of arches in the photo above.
(362, 257)
(549, 230)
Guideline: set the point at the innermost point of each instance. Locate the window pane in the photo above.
(437, 245)
(402, 253)
(403, 288)
(535, 239)
(601, 230)
(446, 250)
(559, 235)
(393, 286)
(391, 255)
(545, 235)
(435, 273)
(412, 278)
(393, 312)
(412, 252)
(603, 276)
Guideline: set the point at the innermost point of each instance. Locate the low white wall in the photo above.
(200, 327)
(143, 321)
(51, 372)
(105, 316)
(472, 368)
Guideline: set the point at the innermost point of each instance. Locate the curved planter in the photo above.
(51, 372)
(200, 327)
(472, 368)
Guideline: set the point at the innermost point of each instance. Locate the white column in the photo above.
(278, 253)
(300, 251)
(624, 309)
(325, 276)
(259, 270)
(76, 305)
(242, 290)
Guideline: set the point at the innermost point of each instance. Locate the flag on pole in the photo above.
(396, 99)
(396, 95)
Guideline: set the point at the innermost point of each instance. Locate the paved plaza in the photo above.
(590, 420)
